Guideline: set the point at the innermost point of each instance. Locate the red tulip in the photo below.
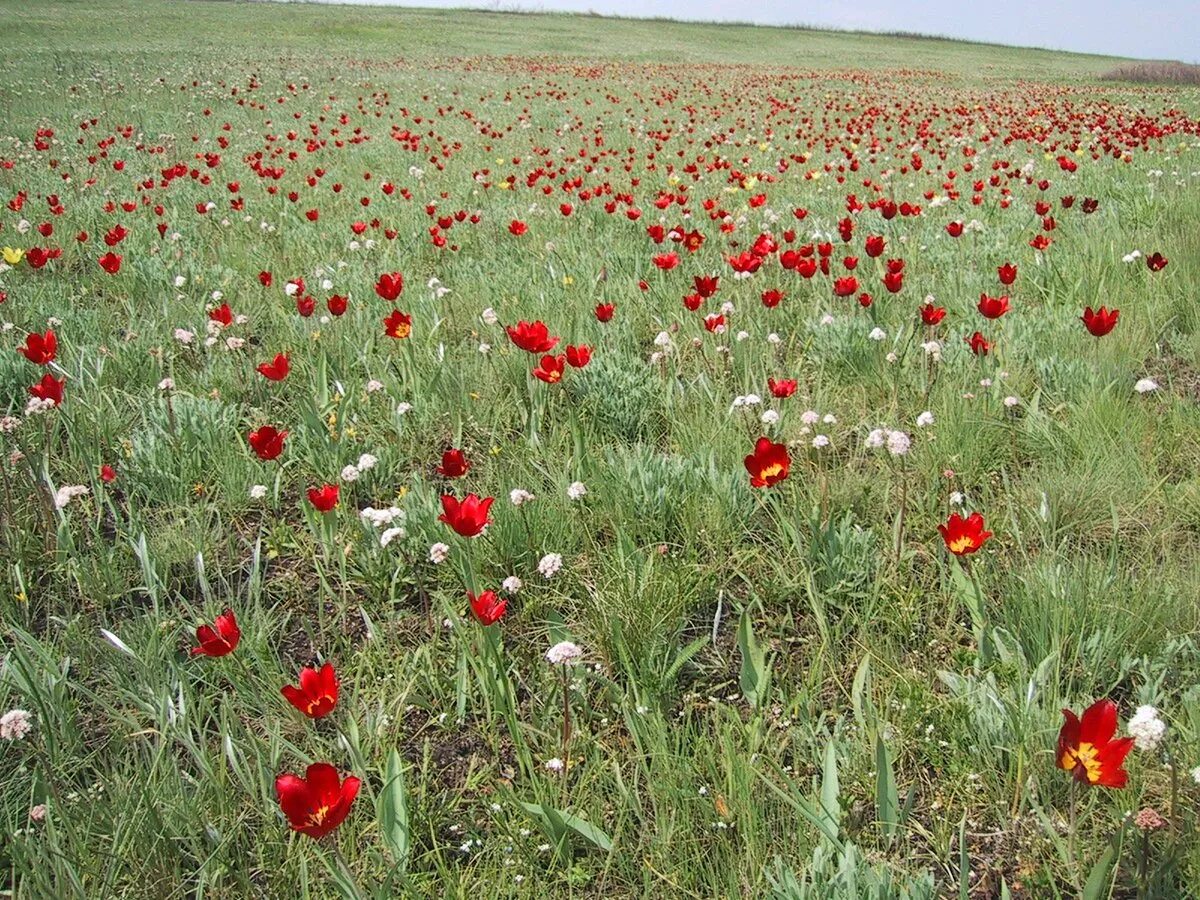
(1156, 262)
(40, 349)
(389, 285)
(1100, 322)
(550, 369)
(604, 312)
(1086, 747)
(277, 369)
(219, 641)
(846, 287)
(397, 324)
(783, 387)
(931, 314)
(49, 388)
(324, 498)
(487, 607)
(517, 228)
(454, 464)
(221, 314)
(979, 346)
(768, 464)
(532, 337)
(318, 803)
(964, 536)
(875, 246)
(108, 474)
(706, 285)
(266, 442)
(993, 307)
(1007, 273)
(578, 357)
(467, 518)
(317, 694)
(110, 262)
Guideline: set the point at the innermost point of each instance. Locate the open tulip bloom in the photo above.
(1086, 747)
(317, 803)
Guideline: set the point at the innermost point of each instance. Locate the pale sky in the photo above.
(1154, 29)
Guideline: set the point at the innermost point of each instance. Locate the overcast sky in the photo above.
(1156, 29)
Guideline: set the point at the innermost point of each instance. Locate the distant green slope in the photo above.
(77, 28)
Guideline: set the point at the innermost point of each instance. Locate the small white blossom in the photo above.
(563, 654)
(258, 491)
(373, 386)
(549, 565)
(770, 417)
(184, 336)
(390, 535)
(1146, 385)
(167, 384)
(489, 316)
(925, 419)
(511, 585)
(438, 553)
(349, 473)
(877, 334)
(1146, 728)
(576, 490)
(898, 443)
(519, 496)
(15, 724)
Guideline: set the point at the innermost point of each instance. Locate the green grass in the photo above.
(788, 692)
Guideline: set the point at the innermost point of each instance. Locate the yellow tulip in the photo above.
(12, 255)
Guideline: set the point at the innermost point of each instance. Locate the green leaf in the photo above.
(393, 813)
(887, 801)
(830, 804)
(1099, 880)
(754, 665)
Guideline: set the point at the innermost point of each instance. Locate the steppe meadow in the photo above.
(462, 454)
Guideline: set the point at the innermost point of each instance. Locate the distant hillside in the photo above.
(365, 31)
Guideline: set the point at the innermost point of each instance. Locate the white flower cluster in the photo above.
(16, 724)
(1146, 728)
(564, 653)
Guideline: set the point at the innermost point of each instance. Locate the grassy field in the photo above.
(793, 690)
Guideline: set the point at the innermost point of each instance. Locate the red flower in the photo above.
(706, 285)
(784, 387)
(964, 536)
(893, 281)
(978, 345)
(487, 607)
(550, 369)
(454, 464)
(467, 518)
(666, 261)
(39, 349)
(1007, 273)
(110, 262)
(108, 474)
(1086, 747)
(337, 304)
(266, 442)
(931, 314)
(317, 694)
(318, 803)
(1156, 262)
(221, 314)
(49, 388)
(714, 323)
(221, 640)
(277, 369)
(389, 285)
(265, 278)
(768, 464)
(875, 245)
(604, 312)
(993, 307)
(324, 498)
(772, 298)
(517, 228)
(397, 325)
(954, 229)
(578, 357)
(846, 287)
(1100, 322)
(532, 337)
